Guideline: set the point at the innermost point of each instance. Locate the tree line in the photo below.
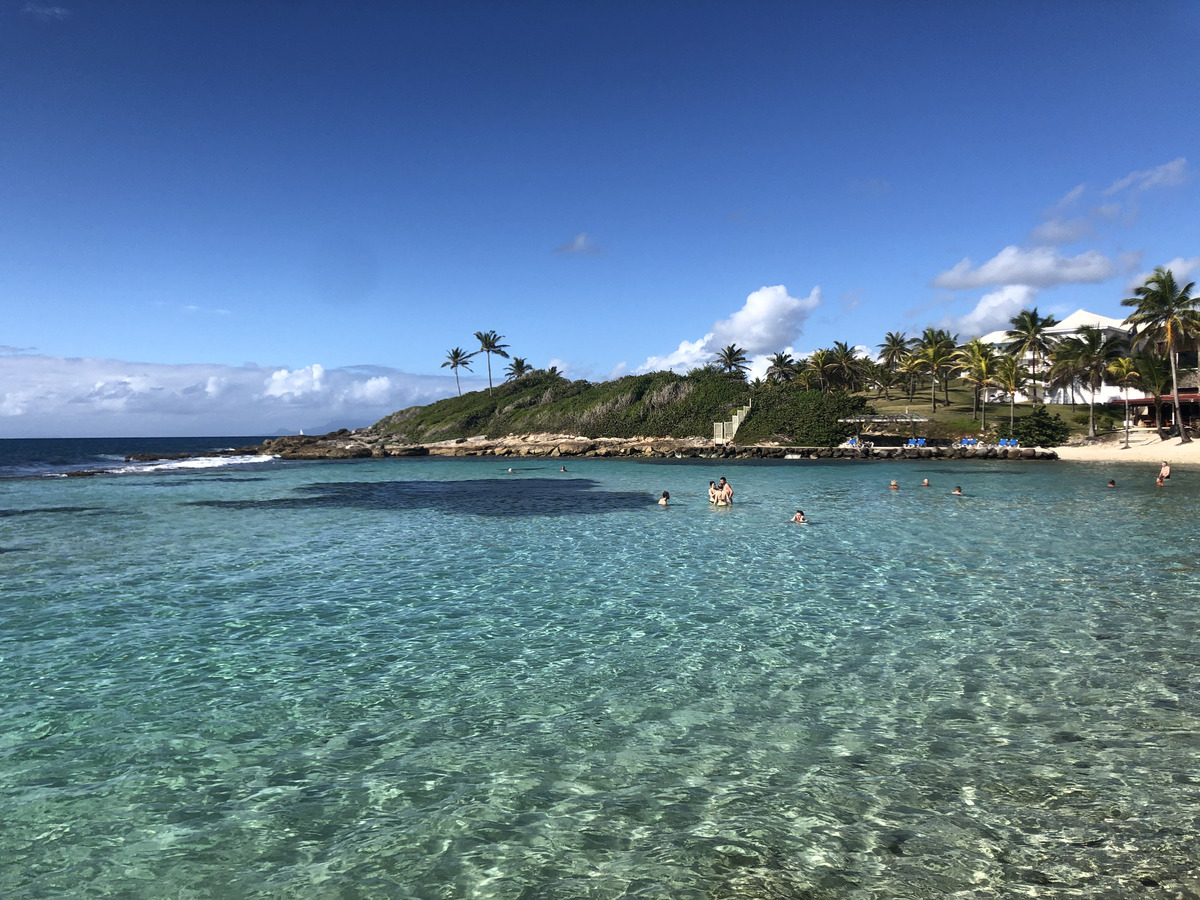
(1164, 319)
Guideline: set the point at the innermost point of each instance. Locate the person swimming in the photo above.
(957, 490)
(894, 486)
(799, 519)
(662, 501)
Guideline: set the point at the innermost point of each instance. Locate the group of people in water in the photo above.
(720, 493)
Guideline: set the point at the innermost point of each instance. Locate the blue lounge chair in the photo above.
(920, 442)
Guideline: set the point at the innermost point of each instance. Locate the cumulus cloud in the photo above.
(1035, 267)
(993, 311)
(1181, 267)
(581, 244)
(769, 320)
(50, 396)
(1166, 175)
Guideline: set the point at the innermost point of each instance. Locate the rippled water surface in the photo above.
(423, 678)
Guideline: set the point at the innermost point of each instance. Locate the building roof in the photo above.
(1066, 327)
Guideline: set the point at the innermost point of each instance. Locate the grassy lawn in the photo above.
(955, 420)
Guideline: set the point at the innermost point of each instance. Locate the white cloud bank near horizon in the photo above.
(57, 397)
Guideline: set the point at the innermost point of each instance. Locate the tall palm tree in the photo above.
(895, 345)
(1093, 350)
(1011, 377)
(937, 358)
(1154, 380)
(1029, 336)
(1168, 314)
(939, 343)
(518, 367)
(781, 367)
(489, 343)
(1124, 372)
(977, 366)
(457, 359)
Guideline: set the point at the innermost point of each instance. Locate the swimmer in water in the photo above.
(799, 519)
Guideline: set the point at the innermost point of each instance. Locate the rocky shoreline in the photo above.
(346, 444)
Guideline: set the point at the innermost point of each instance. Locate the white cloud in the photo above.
(46, 13)
(1036, 267)
(49, 396)
(1060, 231)
(581, 244)
(770, 319)
(993, 311)
(296, 384)
(1182, 267)
(1166, 175)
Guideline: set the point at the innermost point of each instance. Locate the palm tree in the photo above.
(820, 363)
(1154, 380)
(517, 368)
(941, 344)
(457, 359)
(489, 343)
(1029, 336)
(1066, 370)
(1124, 372)
(1011, 376)
(895, 345)
(1168, 314)
(847, 366)
(937, 358)
(781, 367)
(1092, 350)
(911, 366)
(977, 365)
(732, 360)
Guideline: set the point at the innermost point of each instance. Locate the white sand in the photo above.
(1143, 448)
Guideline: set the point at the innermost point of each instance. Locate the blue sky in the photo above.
(248, 217)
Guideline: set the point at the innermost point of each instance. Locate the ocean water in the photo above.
(422, 678)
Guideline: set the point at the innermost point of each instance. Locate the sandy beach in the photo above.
(1144, 447)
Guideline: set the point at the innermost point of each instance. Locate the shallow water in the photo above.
(436, 678)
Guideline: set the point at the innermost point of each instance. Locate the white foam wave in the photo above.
(195, 462)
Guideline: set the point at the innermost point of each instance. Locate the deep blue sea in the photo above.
(423, 678)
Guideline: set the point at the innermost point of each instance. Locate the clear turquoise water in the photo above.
(437, 679)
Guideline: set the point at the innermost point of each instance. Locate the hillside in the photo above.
(659, 404)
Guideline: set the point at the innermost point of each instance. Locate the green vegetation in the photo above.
(801, 400)
(660, 404)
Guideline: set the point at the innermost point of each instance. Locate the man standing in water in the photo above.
(1165, 472)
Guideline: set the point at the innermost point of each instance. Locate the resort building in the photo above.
(1068, 327)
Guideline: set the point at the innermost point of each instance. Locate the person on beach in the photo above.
(894, 486)
(1165, 472)
(957, 490)
(799, 519)
(662, 501)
